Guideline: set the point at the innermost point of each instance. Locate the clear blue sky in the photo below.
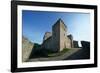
(36, 23)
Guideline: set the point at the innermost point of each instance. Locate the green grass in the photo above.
(59, 53)
(64, 50)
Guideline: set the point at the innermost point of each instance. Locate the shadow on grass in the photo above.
(84, 53)
(65, 50)
(38, 52)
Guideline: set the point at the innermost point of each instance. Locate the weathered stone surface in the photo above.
(47, 35)
(75, 44)
(71, 38)
(27, 47)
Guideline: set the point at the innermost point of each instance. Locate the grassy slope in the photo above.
(59, 53)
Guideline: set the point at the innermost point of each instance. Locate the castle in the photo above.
(55, 41)
(58, 39)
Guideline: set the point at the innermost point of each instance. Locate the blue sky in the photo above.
(36, 23)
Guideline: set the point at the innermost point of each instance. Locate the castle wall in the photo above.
(47, 44)
(68, 43)
(71, 39)
(59, 39)
(75, 44)
(62, 37)
(47, 35)
(27, 47)
(56, 37)
(65, 42)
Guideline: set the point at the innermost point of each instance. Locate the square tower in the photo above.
(59, 35)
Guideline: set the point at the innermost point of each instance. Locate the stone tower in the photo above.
(58, 39)
(56, 35)
(59, 35)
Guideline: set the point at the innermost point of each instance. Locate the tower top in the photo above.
(60, 21)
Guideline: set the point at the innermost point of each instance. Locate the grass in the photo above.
(65, 50)
(46, 53)
(59, 53)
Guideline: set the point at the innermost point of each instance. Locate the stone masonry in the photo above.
(58, 39)
(27, 47)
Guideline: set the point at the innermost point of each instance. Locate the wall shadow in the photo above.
(38, 52)
(83, 53)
